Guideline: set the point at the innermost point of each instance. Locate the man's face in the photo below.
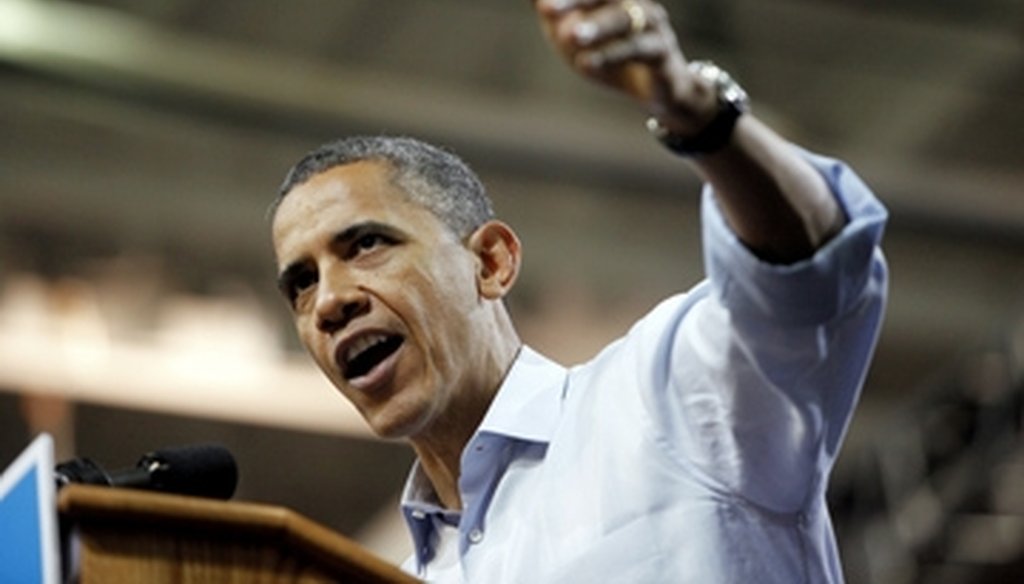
(384, 296)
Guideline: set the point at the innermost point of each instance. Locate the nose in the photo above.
(337, 306)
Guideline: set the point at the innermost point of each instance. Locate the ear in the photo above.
(498, 253)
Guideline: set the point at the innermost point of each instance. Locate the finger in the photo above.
(650, 48)
(617, 20)
(603, 24)
(555, 7)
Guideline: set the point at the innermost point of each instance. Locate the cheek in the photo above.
(449, 309)
(317, 345)
(435, 288)
(450, 293)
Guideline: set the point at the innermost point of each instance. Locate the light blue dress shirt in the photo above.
(696, 448)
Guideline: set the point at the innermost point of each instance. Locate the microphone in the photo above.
(201, 470)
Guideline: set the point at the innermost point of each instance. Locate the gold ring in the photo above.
(637, 15)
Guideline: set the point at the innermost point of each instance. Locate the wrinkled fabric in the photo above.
(696, 448)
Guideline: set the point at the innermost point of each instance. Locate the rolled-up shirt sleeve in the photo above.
(811, 291)
(765, 362)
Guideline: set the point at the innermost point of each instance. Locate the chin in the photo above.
(398, 423)
(409, 408)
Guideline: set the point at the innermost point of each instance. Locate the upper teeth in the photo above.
(363, 343)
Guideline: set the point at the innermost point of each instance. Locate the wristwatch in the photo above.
(732, 101)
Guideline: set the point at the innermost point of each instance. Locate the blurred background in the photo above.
(141, 142)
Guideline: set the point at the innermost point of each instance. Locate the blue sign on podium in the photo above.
(28, 517)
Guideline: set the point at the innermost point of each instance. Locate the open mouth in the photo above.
(368, 352)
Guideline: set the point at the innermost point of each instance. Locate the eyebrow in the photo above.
(344, 237)
(358, 230)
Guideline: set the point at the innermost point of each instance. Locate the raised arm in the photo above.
(776, 203)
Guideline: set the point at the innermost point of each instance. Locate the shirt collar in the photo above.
(526, 407)
(529, 402)
(419, 505)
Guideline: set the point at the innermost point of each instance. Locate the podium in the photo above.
(131, 536)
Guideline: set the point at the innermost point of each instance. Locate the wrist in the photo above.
(709, 127)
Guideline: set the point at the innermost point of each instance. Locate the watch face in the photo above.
(734, 94)
(733, 103)
(729, 91)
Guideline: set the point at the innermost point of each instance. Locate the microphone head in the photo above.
(201, 470)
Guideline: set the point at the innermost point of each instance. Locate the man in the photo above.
(696, 448)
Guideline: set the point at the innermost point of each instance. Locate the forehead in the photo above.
(365, 182)
(342, 196)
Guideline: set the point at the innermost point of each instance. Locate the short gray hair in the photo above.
(432, 177)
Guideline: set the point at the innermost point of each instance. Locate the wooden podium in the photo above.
(132, 536)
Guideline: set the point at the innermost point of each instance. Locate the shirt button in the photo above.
(419, 515)
(476, 536)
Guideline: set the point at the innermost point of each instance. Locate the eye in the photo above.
(369, 243)
(296, 282)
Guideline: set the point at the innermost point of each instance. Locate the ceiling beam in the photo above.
(599, 144)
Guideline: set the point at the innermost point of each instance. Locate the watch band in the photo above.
(733, 102)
